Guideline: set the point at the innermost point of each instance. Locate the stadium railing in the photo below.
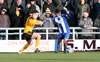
(75, 31)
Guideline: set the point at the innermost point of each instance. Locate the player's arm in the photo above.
(31, 22)
(39, 23)
(47, 21)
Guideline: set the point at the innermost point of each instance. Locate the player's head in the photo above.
(58, 12)
(35, 14)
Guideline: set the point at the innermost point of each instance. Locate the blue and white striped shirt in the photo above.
(61, 21)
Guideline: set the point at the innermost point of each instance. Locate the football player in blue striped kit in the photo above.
(63, 27)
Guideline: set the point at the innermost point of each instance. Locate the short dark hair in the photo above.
(32, 0)
(35, 11)
(57, 11)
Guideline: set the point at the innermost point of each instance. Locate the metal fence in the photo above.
(45, 32)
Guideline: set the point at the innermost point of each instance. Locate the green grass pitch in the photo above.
(51, 57)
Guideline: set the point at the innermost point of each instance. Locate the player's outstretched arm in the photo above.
(40, 23)
(50, 20)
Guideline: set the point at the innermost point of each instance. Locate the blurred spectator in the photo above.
(91, 4)
(97, 9)
(73, 4)
(59, 4)
(4, 18)
(46, 16)
(31, 6)
(23, 3)
(86, 22)
(9, 3)
(49, 4)
(97, 17)
(4, 22)
(97, 24)
(3, 4)
(38, 2)
(18, 14)
(81, 8)
(72, 21)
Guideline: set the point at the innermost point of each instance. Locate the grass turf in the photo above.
(52, 57)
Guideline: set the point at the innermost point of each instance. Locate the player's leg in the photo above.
(66, 36)
(25, 46)
(65, 45)
(70, 50)
(60, 36)
(59, 42)
(29, 43)
(38, 38)
(58, 46)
